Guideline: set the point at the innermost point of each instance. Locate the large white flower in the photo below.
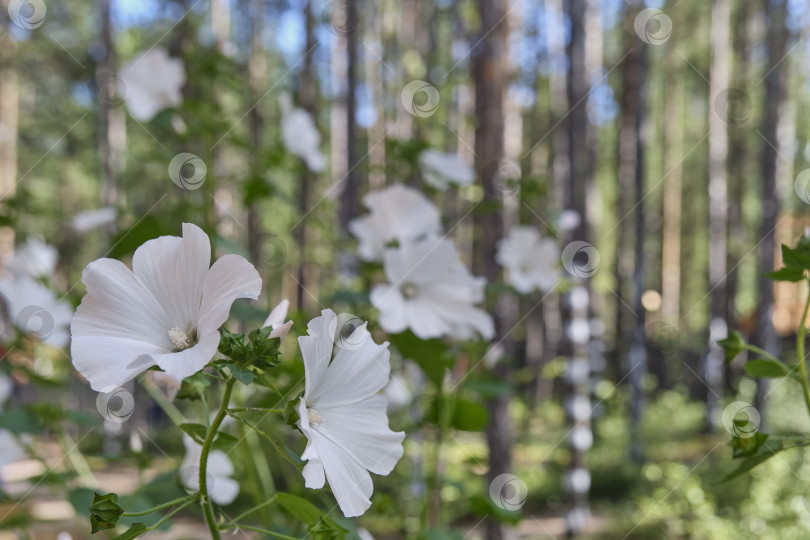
(397, 213)
(10, 449)
(343, 416)
(531, 261)
(34, 259)
(152, 82)
(300, 135)
(36, 310)
(440, 169)
(166, 311)
(431, 292)
(221, 487)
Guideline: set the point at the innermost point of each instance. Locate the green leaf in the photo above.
(764, 452)
(133, 532)
(786, 274)
(244, 376)
(224, 441)
(195, 431)
(768, 369)
(104, 512)
(732, 345)
(431, 355)
(232, 345)
(20, 421)
(747, 446)
(795, 259)
(193, 388)
(469, 416)
(312, 516)
(291, 416)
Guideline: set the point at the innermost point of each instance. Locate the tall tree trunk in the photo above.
(584, 60)
(307, 97)
(111, 118)
(765, 336)
(9, 115)
(630, 251)
(257, 73)
(490, 83)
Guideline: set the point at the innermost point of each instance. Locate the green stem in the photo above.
(170, 514)
(800, 335)
(164, 403)
(266, 531)
(192, 497)
(762, 352)
(256, 508)
(255, 409)
(208, 506)
(269, 439)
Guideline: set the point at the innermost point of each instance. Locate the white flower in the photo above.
(397, 213)
(431, 292)
(152, 82)
(531, 261)
(93, 219)
(166, 311)
(276, 320)
(34, 259)
(10, 449)
(300, 136)
(221, 487)
(441, 168)
(36, 310)
(343, 416)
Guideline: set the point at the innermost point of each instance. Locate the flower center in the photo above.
(179, 339)
(314, 418)
(409, 290)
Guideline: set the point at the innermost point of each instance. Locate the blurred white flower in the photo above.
(152, 82)
(531, 261)
(221, 487)
(93, 219)
(36, 310)
(34, 259)
(431, 292)
(397, 213)
(440, 169)
(276, 320)
(166, 311)
(398, 393)
(343, 416)
(300, 135)
(10, 449)
(6, 389)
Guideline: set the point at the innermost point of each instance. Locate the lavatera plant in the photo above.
(749, 445)
(166, 315)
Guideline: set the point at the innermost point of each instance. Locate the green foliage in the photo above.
(733, 345)
(195, 431)
(431, 355)
(104, 512)
(769, 369)
(318, 525)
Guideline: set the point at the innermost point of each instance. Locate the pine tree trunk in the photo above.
(490, 84)
(765, 336)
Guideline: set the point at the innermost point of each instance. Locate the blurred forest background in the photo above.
(667, 138)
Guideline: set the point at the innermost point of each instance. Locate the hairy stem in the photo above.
(208, 507)
(800, 335)
(192, 497)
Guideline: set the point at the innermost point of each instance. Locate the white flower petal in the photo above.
(362, 430)
(107, 362)
(278, 314)
(34, 259)
(314, 477)
(174, 269)
(353, 375)
(350, 481)
(389, 301)
(230, 278)
(282, 331)
(224, 490)
(151, 82)
(185, 363)
(316, 348)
